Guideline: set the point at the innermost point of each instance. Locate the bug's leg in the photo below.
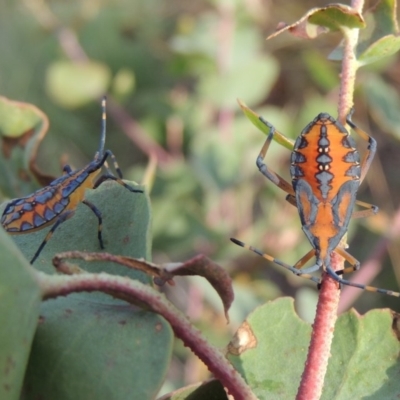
(109, 153)
(354, 263)
(96, 212)
(110, 176)
(303, 260)
(370, 209)
(107, 177)
(369, 155)
(294, 270)
(341, 281)
(291, 199)
(271, 175)
(63, 217)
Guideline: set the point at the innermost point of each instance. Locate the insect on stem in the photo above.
(326, 171)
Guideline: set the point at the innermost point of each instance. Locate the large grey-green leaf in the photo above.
(19, 310)
(90, 346)
(85, 350)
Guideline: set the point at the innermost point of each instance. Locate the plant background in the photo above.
(177, 68)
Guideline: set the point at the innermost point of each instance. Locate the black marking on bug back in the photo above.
(44, 195)
(348, 142)
(58, 207)
(13, 217)
(61, 179)
(26, 226)
(324, 159)
(49, 214)
(301, 141)
(297, 158)
(296, 172)
(354, 171)
(352, 157)
(27, 207)
(38, 220)
(324, 178)
(8, 210)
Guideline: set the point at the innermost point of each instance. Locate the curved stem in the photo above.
(53, 286)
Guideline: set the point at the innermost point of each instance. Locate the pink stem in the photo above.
(312, 380)
(55, 285)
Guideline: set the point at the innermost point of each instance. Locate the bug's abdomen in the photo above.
(43, 207)
(325, 157)
(34, 212)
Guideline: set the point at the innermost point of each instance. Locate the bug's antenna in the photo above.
(103, 127)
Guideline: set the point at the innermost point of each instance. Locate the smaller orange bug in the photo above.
(57, 202)
(326, 172)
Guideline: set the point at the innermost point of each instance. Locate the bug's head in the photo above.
(99, 154)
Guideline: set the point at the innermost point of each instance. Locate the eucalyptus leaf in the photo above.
(91, 345)
(19, 310)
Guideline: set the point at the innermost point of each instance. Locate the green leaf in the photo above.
(364, 362)
(72, 85)
(86, 350)
(381, 38)
(255, 120)
(336, 17)
(384, 104)
(270, 348)
(22, 128)
(260, 349)
(91, 345)
(384, 47)
(252, 81)
(333, 17)
(19, 311)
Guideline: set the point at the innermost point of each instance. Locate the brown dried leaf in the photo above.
(199, 265)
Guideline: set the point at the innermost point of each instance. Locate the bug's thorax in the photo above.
(325, 156)
(88, 175)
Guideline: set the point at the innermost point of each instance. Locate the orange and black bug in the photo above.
(326, 172)
(57, 202)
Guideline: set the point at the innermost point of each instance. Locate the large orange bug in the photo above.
(57, 202)
(326, 172)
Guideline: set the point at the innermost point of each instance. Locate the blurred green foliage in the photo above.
(175, 68)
